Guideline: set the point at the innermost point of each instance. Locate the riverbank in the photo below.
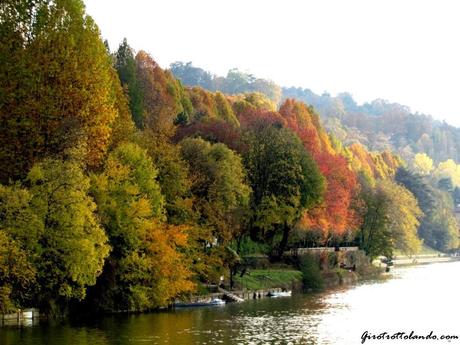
(422, 260)
(304, 271)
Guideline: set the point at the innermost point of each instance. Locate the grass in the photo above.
(265, 279)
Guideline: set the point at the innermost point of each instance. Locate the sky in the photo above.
(402, 51)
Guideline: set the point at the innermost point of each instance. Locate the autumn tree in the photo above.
(17, 274)
(448, 169)
(164, 99)
(145, 257)
(173, 176)
(55, 82)
(336, 216)
(221, 199)
(438, 226)
(390, 220)
(422, 164)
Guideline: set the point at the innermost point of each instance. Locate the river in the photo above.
(420, 299)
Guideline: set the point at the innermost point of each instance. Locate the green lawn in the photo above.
(264, 279)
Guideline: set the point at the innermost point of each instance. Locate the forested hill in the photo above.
(383, 125)
(379, 125)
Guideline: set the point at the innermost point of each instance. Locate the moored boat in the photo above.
(279, 293)
(212, 302)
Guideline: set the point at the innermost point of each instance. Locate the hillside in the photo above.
(379, 125)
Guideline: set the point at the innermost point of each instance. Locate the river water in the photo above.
(422, 299)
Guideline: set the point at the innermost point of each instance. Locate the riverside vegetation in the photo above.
(123, 189)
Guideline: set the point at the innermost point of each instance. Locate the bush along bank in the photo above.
(322, 269)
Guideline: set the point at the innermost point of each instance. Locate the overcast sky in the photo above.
(403, 51)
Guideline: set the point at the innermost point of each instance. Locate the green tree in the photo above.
(20, 231)
(173, 177)
(73, 246)
(17, 274)
(390, 220)
(219, 186)
(443, 227)
(125, 64)
(437, 227)
(285, 181)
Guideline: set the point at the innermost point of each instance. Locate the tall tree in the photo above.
(146, 268)
(73, 246)
(285, 181)
(55, 82)
(438, 226)
(219, 186)
(390, 220)
(125, 64)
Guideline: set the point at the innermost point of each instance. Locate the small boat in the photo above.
(212, 302)
(279, 294)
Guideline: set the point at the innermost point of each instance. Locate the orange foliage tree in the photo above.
(336, 216)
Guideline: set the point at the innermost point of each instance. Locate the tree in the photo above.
(336, 216)
(442, 228)
(285, 181)
(448, 169)
(422, 164)
(390, 220)
(164, 100)
(173, 176)
(73, 246)
(221, 202)
(219, 185)
(438, 226)
(17, 274)
(190, 75)
(146, 256)
(125, 64)
(55, 82)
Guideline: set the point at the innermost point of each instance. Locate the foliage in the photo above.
(335, 216)
(422, 164)
(145, 268)
(73, 246)
(236, 82)
(125, 64)
(285, 181)
(17, 274)
(173, 176)
(311, 274)
(390, 220)
(55, 82)
(219, 185)
(163, 98)
(438, 225)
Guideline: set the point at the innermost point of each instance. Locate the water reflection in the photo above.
(420, 298)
